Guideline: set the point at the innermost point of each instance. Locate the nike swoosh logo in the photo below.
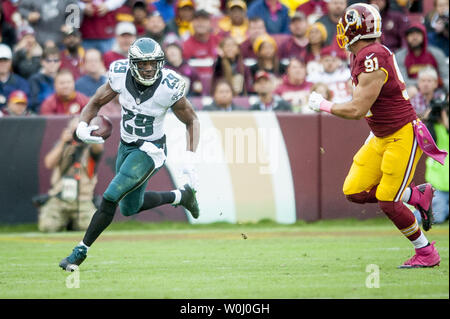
(369, 56)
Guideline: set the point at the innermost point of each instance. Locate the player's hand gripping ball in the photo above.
(104, 126)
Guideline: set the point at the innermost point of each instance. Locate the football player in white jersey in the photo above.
(146, 92)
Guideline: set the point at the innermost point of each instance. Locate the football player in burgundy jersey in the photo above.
(384, 166)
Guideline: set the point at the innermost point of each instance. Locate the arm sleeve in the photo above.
(117, 70)
(179, 91)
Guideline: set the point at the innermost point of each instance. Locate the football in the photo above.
(104, 124)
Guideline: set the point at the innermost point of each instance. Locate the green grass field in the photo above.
(326, 259)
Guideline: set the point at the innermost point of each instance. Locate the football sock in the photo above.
(420, 242)
(101, 219)
(155, 199)
(83, 244)
(177, 200)
(404, 219)
(406, 195)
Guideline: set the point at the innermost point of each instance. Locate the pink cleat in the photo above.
(422, 198)
(427, 256)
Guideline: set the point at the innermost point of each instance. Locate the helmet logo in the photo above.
(352, 18)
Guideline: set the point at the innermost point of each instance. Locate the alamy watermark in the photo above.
(373, 279)
(73, 280)
(73, 18)
(259, 146)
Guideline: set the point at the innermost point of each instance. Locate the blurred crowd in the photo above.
(234, 54)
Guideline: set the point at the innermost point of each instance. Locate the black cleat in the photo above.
(189, 200)
(71, 262)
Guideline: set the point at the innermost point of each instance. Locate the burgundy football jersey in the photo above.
(392, 109)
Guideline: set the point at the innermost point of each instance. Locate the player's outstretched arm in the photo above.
(102, 96)
(186, 114)
(364, 96)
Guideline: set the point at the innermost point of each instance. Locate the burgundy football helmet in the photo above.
(360, 21)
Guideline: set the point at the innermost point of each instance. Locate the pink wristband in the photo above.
(326, 106)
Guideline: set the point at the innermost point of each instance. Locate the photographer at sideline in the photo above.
(70, 199)
(437, 174)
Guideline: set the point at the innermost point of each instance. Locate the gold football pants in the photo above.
(389, 162)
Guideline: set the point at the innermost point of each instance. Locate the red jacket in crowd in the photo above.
(55, 105)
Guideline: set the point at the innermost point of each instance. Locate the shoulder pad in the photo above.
(117, 72)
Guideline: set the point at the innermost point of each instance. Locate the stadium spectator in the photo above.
(313, 9)
(140, 13)
(73, 53)
(393, 26)
(7, 30)
(440, 9)
(266, 52)
(235, 23)
(9, 81)
(174, 56)
(322, 89)
(17, 105)
(201, 47)
(274, 14)
(94, 73)
(335, 74)
(296, 44)
(98, 23)
(419, 54)
(427, 90)
(156, 28)
(47, 18)
(73, 180)
(435, 173)
(264, 86)
(9, 10)
(222, 98)
(336, 9)
(165, 8)
(181, 24)
(436, 23)
(41, 83)
(316, 35)
(230, 66)
(396, 5)
(125, 36)
(256, 27)
(27, 54)
(294, 88)
(65, 100)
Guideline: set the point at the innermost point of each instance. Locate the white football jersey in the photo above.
(143, 112)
